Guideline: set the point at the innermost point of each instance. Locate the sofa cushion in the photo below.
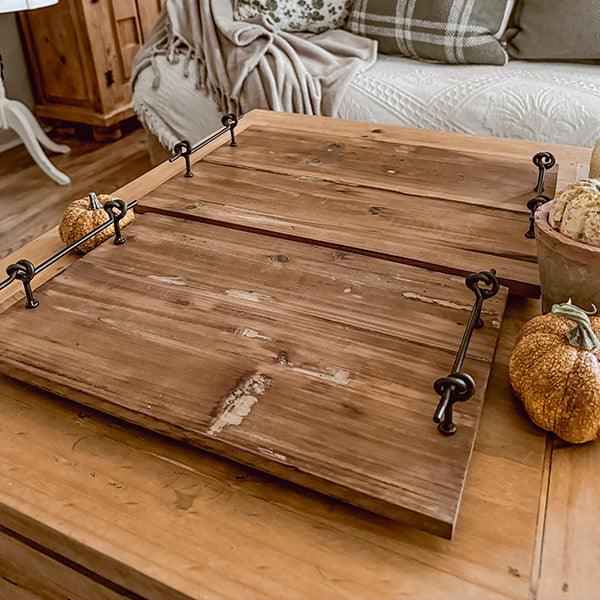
(545, 102)
(449, 31)
(557, 30)
(292, 15)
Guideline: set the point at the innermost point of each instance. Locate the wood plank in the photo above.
(571, 553)
(452, 237)
(28, 571)
(316, 365)
(213, 528)
(573, 160)
(421, 170)
(427, 137)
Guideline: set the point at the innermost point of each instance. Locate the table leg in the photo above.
(15, 115)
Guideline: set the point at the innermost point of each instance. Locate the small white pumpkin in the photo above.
(575, 212)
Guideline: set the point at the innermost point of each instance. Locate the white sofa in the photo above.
(549, 102)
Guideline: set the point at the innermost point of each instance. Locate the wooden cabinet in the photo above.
(80, 54)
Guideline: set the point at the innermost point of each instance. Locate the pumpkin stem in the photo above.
(583, 335)
(94, 202)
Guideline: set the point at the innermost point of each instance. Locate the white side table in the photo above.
(15, 115)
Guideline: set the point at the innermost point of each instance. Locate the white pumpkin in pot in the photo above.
(567, 232)
(575, 212)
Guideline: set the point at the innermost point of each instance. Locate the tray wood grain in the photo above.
(452, 210)
(309, 363)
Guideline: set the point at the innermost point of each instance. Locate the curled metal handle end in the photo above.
(110, 207)
(543, 161)
(24, 271)
(183, 148)
(488, 279)
(230, 121)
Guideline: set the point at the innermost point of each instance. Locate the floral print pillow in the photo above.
(297, 15)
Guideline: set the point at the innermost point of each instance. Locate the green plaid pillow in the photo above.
(449, 31)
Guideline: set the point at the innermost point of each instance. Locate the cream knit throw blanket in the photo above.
(246, 65)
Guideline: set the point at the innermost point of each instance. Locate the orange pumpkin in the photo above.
(555, 371)
(83, 216)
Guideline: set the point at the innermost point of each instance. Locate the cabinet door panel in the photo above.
(102, 20)
(149, 11)
(128, 33)
(58, 55)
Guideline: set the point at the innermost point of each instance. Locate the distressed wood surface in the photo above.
(574, 161)
(308, 363)
(450, 237)
(455, 210)
(422, 170)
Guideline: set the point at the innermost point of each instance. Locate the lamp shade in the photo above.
(7, 6)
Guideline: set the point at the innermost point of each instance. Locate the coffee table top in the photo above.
(75, 481)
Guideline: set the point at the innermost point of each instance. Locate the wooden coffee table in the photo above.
(91, 506)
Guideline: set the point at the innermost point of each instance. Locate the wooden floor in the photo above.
(31, 203)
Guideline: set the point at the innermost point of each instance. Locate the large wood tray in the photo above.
(310, 363)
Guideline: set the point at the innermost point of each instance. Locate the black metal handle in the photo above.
(184, 147)
(543, 161)
(459, 386)
(116, 217)
(25, 271)
(230, 121)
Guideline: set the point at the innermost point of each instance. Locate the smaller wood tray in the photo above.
(306, 362)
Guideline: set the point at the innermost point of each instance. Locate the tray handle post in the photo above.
(543, 161)
(24, 271)
(184, 147)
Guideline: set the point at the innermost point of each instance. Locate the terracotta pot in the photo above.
(568, 269)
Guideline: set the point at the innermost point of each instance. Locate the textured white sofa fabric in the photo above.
(546, 102)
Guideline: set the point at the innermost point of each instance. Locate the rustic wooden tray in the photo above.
(448, 209)
(310, 363)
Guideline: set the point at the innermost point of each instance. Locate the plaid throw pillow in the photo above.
(449, 31)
